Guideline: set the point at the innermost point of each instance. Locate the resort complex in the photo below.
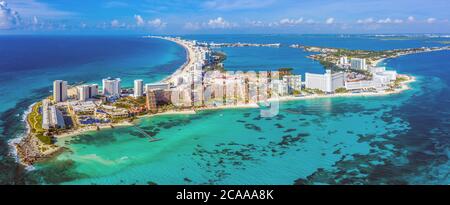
(201, 83)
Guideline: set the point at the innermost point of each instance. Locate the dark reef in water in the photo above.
(225, 155)
(98, 140)
(57, 172)
(409, 156)
(252, 127)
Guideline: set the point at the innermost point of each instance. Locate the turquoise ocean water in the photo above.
(397, 139)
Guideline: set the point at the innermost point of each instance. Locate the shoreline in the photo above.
(404, 86)
(12, 143)
(185, 65)
(91, 129)
(28, 141)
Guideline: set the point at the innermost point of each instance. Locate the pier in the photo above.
(152, 139)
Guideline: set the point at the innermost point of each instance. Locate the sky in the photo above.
(223, 16)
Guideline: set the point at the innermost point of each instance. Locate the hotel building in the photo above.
(59, 91)
(151, 101)
(358, 64)
(279, 87)
(379, 81)
(327, 82)
(138, 88)
(83, 92)
(111, 87)
(86, 92)
(156, 86)
(51, 116)
(294, 82)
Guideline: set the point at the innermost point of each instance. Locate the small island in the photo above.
(201, 83)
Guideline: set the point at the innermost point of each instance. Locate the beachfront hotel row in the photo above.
(192, 87)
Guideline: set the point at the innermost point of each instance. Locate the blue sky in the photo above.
(224, 16)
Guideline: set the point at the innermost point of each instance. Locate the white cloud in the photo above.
(431, 20)
(398, 21)
(9, 19)
(256, 23)
(380, 21)
(329, 21)
(365, 21)
(139, 20)
(157, 23)
(411, 18)
(290, 22)
(219, 22)
(387, 20)
(115, 23)
(237, 4)
(30, 8)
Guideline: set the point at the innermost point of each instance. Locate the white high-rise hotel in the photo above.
(358, 63)
(294, 82)
(138, 88)
(111, 87)
(59, 91)
(327, 82)
(87, 91)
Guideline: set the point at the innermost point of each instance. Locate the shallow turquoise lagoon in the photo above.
(234, 146)
(396, 139)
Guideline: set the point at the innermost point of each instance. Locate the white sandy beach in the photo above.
(82, 130)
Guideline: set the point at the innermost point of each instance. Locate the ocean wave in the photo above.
(15, 140)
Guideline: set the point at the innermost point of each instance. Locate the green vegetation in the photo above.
(130, 102)
(217, 64)
(165, 108)
(284, 71)
(312, 91)
(45, 139)
(398, 81)
(341, 90)
(296, 92)
(287, 71)
(363, 53)
(328, 65)
(35, 119)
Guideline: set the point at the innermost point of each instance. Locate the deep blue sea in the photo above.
(396, 139)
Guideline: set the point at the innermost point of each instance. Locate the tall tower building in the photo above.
(59, 91)
(93, 90)
(358, 63)
(83, 92)
(138, 88)
(111, 87)
(151, 101)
